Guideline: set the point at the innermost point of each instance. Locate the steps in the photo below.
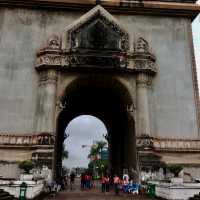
(5, 195)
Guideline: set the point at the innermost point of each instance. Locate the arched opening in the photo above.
(107, 99)
(82, 134)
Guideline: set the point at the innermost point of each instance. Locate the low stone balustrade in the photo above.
(165, 144)
(176, 145)
(29, 139)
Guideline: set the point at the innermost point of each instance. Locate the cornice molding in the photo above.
(169, 8)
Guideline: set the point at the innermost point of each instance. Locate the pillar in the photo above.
(143, 120)
(46, 104)
(132, 161)
(45, 111)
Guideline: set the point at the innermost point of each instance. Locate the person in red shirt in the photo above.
(116, 184)
(107, 183)
(103, 183)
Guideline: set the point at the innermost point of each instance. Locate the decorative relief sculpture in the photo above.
(96, 40)
(54, 42)
(142, 46)
(144, 60)
(144, 142)
(30, 140)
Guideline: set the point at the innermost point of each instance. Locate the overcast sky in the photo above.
(83, 130)
(86, 129)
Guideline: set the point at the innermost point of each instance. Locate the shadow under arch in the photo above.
(106, 99)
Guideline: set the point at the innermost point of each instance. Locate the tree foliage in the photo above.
(65, 153)
(175, 169)
(26, 165)
(97, 148)
(97, 163)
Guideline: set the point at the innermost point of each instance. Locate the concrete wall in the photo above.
(9, 170)
(23, 31)
(17, 154)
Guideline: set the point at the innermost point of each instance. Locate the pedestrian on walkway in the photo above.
(83, 181)
(107, 183)
(116, 184)
(87, 181)
(72, 179)
(103, 183)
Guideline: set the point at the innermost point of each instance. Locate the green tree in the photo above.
(65, 153)
(97, 148)
(26, 165)
(97, 164)
(175, 169)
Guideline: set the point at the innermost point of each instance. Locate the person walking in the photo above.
(103, 183)
(116, 184)
(107, 183)
(83, 181)
(72, 179)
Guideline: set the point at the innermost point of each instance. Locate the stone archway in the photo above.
(107, 99)
(79, 62)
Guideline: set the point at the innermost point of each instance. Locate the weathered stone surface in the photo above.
(139, 67)
(171, 98)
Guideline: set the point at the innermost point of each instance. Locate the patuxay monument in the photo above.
(129, 63)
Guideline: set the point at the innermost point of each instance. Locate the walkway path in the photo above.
(95, 194)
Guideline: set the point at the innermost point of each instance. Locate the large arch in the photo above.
(106, 99)
(104, 75)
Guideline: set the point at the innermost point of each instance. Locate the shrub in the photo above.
(175, 169)
(26, 165)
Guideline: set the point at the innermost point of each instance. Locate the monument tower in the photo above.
(129, 63)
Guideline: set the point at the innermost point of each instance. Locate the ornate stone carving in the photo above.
(142, 46)
(100, 31)
(45, 139)
(48, 60)
(50, 55)
(96, 40)
(48, 76)
(27, 139)
(144, 142)
(54, 42)
(143, 80)
(144, 60)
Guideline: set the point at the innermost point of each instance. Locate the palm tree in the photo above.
(101, 145)
(96, 149)
(97, 165)
(65, 153)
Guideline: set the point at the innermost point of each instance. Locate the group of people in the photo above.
(125, 184)
(86, 181)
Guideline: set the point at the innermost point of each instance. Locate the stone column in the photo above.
(132, 156)
(143, 121)
(45, 111)
(144, 64)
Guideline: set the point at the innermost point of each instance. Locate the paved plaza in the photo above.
(95, 195)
